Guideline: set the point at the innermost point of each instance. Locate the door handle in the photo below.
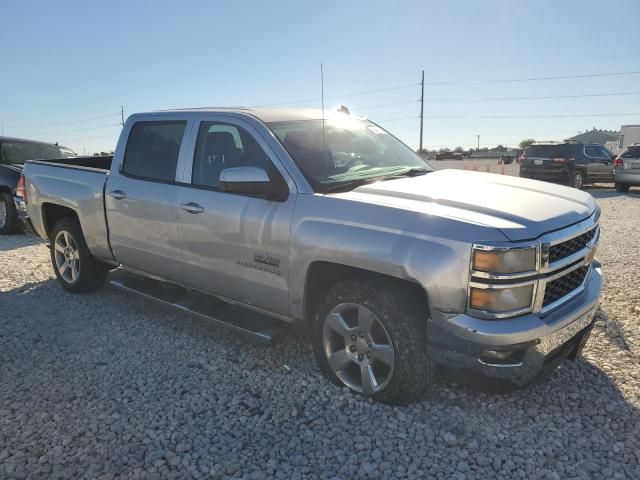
(192, 207)
(117, 194)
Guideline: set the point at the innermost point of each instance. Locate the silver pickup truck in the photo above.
(336, 225)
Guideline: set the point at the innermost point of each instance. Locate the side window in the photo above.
(152, 150)
(592, 151)
(605, 153)
(223, 145)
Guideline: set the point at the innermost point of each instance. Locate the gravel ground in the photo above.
(109, 386)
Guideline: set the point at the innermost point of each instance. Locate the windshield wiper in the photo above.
(349, 185)
(412, 172)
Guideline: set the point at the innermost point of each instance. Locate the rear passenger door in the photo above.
(600, 165)
(232, 244)
(141, 198)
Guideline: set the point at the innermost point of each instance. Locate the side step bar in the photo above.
(241, 320)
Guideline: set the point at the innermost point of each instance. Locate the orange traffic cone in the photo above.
(501, 166)
(475, 167)
(487, 168)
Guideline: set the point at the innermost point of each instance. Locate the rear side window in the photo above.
(152, 150)
(549, 151)
(631, 152)
(596, 151)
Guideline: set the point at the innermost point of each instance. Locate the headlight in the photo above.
(505, 261)
(500, 300)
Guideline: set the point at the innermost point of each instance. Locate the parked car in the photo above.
(571, 163)
(13, 153)
(627, 168)
(505, 159)
(449, 156)
(336, 226)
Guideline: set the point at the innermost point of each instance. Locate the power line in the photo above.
(110, 125)
(347, 95)
(90, 138)
(70, 122)
(544, 97)
(563, 115)
(533, 79)
(367, 107)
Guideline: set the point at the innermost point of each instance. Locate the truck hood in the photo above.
(521, 209)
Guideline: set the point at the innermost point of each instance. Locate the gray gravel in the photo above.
(108, 386)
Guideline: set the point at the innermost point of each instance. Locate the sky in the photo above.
(68, 66)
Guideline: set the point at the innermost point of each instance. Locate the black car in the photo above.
(13, 153)
(571, 163)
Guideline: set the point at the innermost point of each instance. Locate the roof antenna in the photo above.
(324, 149)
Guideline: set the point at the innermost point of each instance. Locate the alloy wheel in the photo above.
(67, 256)
(358, 348)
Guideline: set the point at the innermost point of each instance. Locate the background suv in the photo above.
(627, 168)
(571, 163)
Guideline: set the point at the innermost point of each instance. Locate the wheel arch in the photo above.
(52, 213)
(322, 274)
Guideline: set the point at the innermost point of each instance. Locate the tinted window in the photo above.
(631, 152)
(152, 150)
(222, 145)
(19, 152)
(549, 151)
(596, 151)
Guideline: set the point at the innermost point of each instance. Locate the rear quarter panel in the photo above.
(80, 189)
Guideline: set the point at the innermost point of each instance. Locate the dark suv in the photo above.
(13, 153)
(571, 163)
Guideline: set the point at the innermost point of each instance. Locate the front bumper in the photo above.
(535, 344)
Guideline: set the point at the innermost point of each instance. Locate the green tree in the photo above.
(526, 142)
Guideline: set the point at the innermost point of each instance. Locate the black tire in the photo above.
(10, 223)
(91, 273)
(622, 188)
(576, 179)
(404, 320)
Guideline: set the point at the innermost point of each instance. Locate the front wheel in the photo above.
(77, 270)
(371, 337)
(576, 180)
(622, 188)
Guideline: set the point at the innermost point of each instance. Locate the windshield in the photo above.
(351, 150)
(19, 152)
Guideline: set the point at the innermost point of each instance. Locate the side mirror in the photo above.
(252, 181)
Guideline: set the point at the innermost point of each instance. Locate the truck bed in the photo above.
(76, 184)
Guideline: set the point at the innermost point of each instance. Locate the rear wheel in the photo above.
(9, 222)
(371, 338)
(77, 270)
(576, 180)
(621, 187)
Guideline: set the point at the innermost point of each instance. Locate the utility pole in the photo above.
(122, 114)
(478, 149)
(421, 110)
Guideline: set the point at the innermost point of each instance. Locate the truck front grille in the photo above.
(560, 287)
(564, 249)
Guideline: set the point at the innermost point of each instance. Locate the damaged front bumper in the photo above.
(522, 349)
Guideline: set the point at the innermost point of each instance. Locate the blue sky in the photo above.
(69, 65)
